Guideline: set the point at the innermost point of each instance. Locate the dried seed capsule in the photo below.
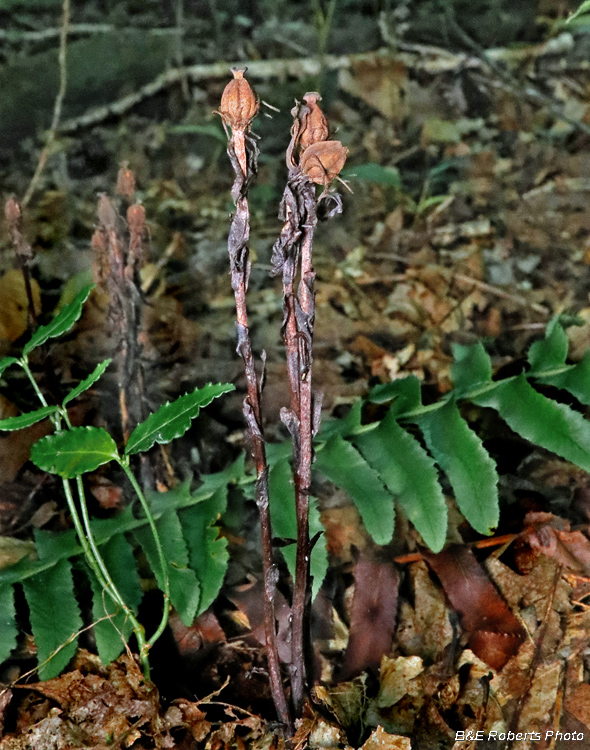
(125, 182)
(136, 218)
(107, 215)
(12, 212)
(239, 104)
(323, 161)
(315, 126)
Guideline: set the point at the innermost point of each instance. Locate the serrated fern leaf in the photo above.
(405, 393)
(574, 379)
(87, 382)
(348, 425)
(5, 363)
(546, 423)
(472, 367)
(112, 634)
(584, 8)
(342, 464)
(469, 468)
(62, 322)
(26, 420)
(173, 419)
(55, 617)
(8, 629)
(551, 351)
(207, 549)
(74, 452)
(184, 586)
(284, 523)
(409, 473)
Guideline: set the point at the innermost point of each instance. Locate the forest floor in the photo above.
(469, 220)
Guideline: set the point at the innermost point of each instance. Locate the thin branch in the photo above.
(57, 107)
(426, 59)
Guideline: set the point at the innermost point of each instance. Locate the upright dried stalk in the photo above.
(292, 255)
(24, 252)
(239, 105)
(118, 260)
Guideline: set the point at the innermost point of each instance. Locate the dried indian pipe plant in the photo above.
(238, 106)
(118, 258)
(23, 250)
(311, 159)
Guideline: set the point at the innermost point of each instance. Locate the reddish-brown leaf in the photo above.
(373, 616)
(494, 632)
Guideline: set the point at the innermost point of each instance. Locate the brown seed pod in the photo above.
(239, 104)
(107, 215)
(136, 218)
(323, 161)
(125, 182)
(12, 212)
(315, 126)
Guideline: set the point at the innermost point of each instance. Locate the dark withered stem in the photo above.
(302, 590)
(238, 250)
(292, 258)
(293, 253)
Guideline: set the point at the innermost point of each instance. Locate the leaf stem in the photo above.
(124, 462)
(85, 535)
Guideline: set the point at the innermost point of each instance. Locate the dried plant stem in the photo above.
(240, 271)
(292, 258)
(299, 343)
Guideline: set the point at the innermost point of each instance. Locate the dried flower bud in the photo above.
(239, 104)
(136, 218)
(12, 212)
(323, 161)
(315, 126)
(125, 182)
(106, 212)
